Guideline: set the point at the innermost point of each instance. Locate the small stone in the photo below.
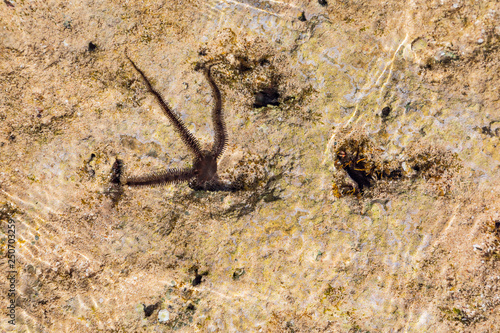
(445, 56)
(385, 112)
(405, 166)
(480, 41)
(163, 316)
(238, 273)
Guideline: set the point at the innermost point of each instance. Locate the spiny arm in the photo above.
(186, 136)
(220, 140)
(169, 176)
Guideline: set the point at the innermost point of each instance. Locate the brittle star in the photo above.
(203, 174)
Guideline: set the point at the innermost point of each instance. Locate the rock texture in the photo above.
(365, 135)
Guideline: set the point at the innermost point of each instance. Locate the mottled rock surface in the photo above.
(365, 134)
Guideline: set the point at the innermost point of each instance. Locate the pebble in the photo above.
(445, 56)
(163, 316)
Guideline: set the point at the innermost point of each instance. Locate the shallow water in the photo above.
(286, 253)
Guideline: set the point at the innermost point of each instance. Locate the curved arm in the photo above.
(220, 140)
(169, 176)
(186, 136)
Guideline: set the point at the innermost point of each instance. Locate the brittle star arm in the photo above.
(186, 136)
(220, 140)
(169, 176)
